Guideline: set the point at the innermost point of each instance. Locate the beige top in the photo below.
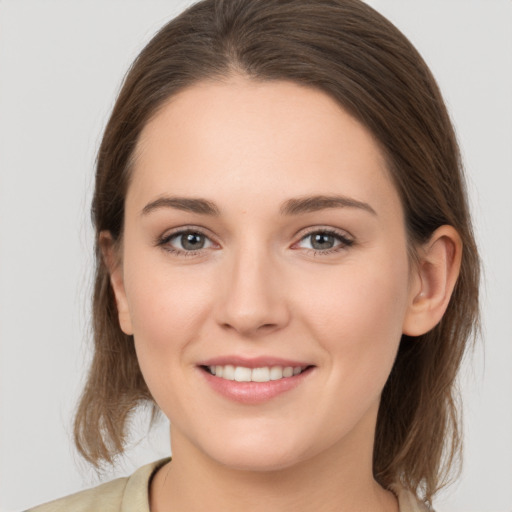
(130, 494)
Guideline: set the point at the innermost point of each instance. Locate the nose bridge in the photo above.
(254, 300)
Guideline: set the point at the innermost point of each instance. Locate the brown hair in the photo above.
(352, 53)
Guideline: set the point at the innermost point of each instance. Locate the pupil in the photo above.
(192, 241)
(322, 241)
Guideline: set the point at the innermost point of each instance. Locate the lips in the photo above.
(255, 380)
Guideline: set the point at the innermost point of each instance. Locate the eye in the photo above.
(325, 241)
(184, 242)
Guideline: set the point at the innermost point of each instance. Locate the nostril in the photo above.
(250, 330)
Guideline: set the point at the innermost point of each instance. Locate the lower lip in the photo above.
(253, 392)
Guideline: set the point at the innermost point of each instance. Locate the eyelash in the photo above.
(345, 242)
(166, 239)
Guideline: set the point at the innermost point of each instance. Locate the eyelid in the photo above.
(346, 239)
(163, 240)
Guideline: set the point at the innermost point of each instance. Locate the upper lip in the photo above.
(252, 362)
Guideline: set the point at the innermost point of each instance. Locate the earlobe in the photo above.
(435, 276)
(112, 261)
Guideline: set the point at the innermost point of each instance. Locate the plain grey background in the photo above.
(61, 64)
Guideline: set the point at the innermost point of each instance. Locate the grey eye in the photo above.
(189, 241)
(324, 241)
(321, 241)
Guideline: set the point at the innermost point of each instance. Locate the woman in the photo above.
(285, 266)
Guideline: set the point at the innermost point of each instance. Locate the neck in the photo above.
(338, 479)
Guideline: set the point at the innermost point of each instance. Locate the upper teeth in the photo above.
(264, 374)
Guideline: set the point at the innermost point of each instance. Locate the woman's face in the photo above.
(263, 237)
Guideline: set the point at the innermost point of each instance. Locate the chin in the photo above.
(262, 456)
(258, 462)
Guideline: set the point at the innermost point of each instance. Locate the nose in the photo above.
(254, 299)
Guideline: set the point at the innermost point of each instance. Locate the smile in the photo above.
(262, 374)
(254, 381)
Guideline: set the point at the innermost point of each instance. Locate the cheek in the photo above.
(166, 315)
(356, 317)
(357, 314)
(167, 307)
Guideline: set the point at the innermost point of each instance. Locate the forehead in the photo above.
(247, 137)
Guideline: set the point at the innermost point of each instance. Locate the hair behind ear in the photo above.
(109, 396)
(420, 399)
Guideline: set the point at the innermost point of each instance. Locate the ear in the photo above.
(111, 257)
(433, 281)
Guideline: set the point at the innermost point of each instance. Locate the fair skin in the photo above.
(266, 279)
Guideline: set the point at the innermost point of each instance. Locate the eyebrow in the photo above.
(194, 205)
(294, 206)
(310, 204)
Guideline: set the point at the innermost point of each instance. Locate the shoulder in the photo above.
(105, 497)
(121, 495)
